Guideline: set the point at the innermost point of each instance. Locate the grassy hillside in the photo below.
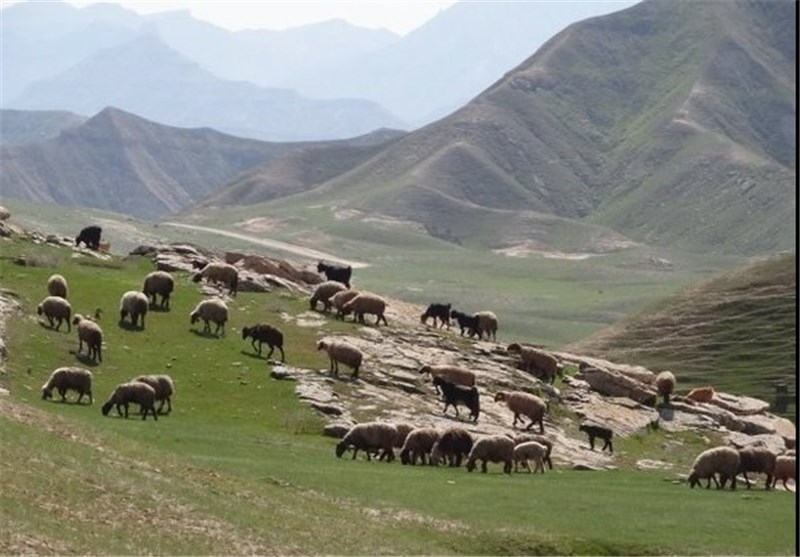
(239, 466)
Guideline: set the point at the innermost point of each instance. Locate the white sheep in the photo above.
(366, 303)
(55, 307)
(719, 460)
(219, 272)
(536, 361)
(341, 351)
(492, 448)
(65, 379)
(134, 304)
(419, 444)
(665, 384)
(90, 333)
(759, 460)
(158, 283)
(369, 436)
(339, 299)
(141, 393)
(210, 310)
(323, 292)
(453, 374)
(487, 323)
(541, 439)
(530, 450)
(524, 404)
(57, 286)
(163, 386)
(785, 469)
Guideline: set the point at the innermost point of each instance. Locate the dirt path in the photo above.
(274, 244)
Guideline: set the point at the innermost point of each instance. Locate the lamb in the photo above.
(366, 303)
(440, 312)
(323, 292)
(340, 351)
(369, 436)
(487, 323)
(454, 444)
(135, 304)
(466, 322)
(262, 332)
(335, 272)
(64, 379)
(530, 450)
(701, 394)
(756, 459)
(89, 236)
(339, 299)
(419, 443)
(535, 360)
(159, 283)
(57, 286)
(785, 469)
(90, 333)
(220, 272)
(665, 384)
(453, 374)
(211, 310)
(525, 404)
(719, 460)
(141, 393)
(453, 394)
(542, 440)
(163, 386)
(492, 448)
(55, 307)
(603, 433)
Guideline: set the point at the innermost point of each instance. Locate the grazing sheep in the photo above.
(339, 273)
(403, 429)
(135, 304)
(439, 312)
(542, 440)
(323, 292)
(261, 332)
(219, 272)
(419, 443)
(340, 351)
(453, 394)
(492, 448)
(164, 388)
(141, 393)
(524, 404)
(453, 374)
(89, 236)
(65, 379)
(487, 323)
(701, 394)
(719, 460)
(366, 303)
(57, 286)
(210, 310)
(454, 444)
(90, 333)
(785, 469)
(756, 459)
(603, 433)
(339, 299)
(530, 450)
(369, 436)
(55, 307)
(544, 364)
(468, 323)
(665, 384)
(159, 283)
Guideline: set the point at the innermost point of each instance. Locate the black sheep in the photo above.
(452, 395)
(89, 236)
(264, 333)
(335, 272)
(437, 311)
(598, 431)
(467, 323)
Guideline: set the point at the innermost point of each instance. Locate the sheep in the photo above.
(525, 404)
(339, 299)
(340, 351)
(159, 283)
(210, 310)
(756, 459)
(701, 394)
(339, 273)
(90, 333)
(665, 384)
(366, 303)
(465, 322)
(323, 292)
(785, 469)
(89, 236)
(419, 443)
(535, 360)
(262, 332)
(719, 460)
(163, 386)
(64, 379)
(542, 440)
(440, 312)
(135, 304)
(453, 394)
(135, 391)
(220, 272)
(603, 433)
(369, 436)
(530, 450)
(57, 286)
(55, 307)
(403, 430)
(454, 374)
(492, 448)
(454, 444)
(487, 323)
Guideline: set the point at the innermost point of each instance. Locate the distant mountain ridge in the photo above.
(25, 126)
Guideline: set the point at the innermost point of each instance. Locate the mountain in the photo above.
(25, 126)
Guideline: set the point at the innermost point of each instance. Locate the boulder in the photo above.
(613, 383)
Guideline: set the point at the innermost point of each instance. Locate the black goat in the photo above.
(467, 323)
(598, 431)
(339, 273)
(439, 312)
(261, 333)
(452, 395)
(89, 236)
